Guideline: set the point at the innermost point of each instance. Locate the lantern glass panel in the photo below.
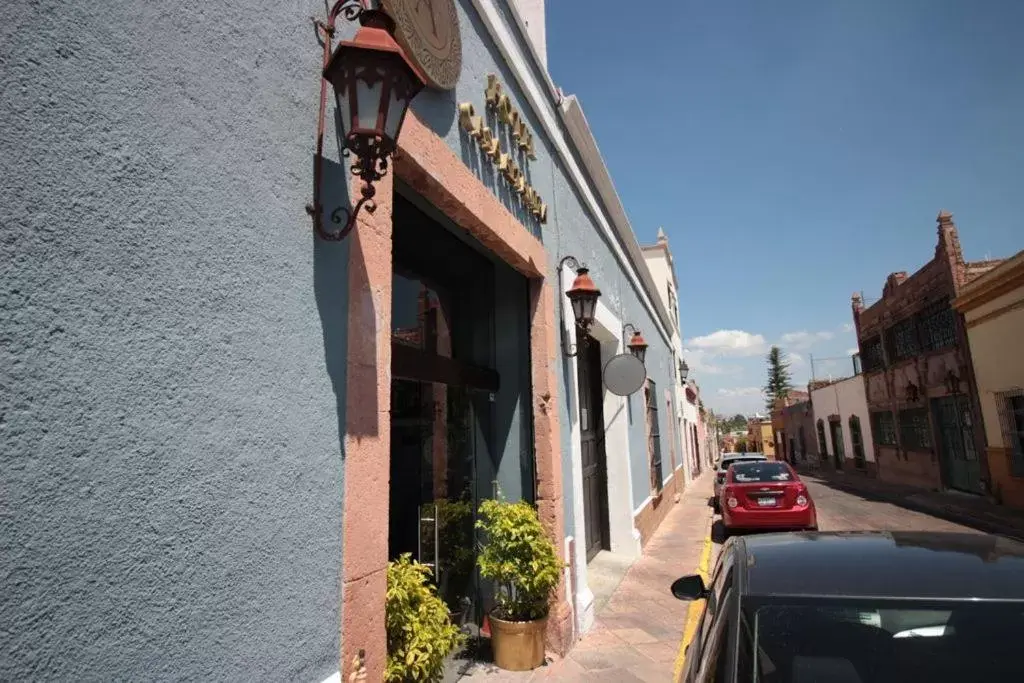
(640, 352)
(577, 308)
(369, 89)
(589, 303)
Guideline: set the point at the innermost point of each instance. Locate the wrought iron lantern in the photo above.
(373, 82)
(583, 296)
(684, 370)
(952, 382)
(912, 392)
(637, 344)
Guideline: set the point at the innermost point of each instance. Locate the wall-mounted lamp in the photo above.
(684, 370)
(583, 296)
(373, 82)
(952, 383)
(912, 392)
(637, 344)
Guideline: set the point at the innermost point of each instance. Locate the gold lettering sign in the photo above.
(489, 141)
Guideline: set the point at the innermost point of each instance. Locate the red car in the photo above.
(766, 495)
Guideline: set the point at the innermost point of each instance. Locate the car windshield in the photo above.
(750, 472)
(881, 641)
(733, 461)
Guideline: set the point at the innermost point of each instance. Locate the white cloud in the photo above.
(744, 400)
(730, 343)
(847, 327)
(741, 391)
(701, 362)
(794, 359)
(804, 340)
(850, 352)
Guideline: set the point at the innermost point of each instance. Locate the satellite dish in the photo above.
(624, 374)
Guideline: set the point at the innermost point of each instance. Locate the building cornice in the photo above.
(549, 108)
(1001, 280)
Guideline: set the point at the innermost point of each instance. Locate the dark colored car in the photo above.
(859, 607)
(765, 495)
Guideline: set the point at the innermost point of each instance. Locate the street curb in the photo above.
(696, 607)
(942, 512)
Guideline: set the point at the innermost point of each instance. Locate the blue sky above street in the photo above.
(796, 152)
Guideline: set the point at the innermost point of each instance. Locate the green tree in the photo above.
(779, 380)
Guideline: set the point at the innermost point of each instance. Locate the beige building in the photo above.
(993, 309)
(659, 261)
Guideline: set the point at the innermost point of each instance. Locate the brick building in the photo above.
(918, 374)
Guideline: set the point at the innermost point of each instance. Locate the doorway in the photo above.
(442, 417)
(961, 468)
(592, 446)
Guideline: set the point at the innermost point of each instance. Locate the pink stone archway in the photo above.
(434, 171)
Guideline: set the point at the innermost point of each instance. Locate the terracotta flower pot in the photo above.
(518, 645)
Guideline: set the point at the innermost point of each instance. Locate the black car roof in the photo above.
(896, 564)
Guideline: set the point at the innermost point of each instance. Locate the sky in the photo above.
(796, 152)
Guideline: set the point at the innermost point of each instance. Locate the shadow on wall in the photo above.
(436, 108)
(335, 265)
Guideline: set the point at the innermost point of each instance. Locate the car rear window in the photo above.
(733, 461)
(751, 472)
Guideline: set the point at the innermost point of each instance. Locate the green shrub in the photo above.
(420, 634)
(519, 558)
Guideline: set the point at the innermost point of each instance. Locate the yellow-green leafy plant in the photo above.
(419, 632)
(519, 557)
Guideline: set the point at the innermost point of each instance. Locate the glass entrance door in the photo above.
(433, 498)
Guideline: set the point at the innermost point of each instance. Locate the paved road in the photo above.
(841, 511)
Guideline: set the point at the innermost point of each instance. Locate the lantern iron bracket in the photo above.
(569, 350)
(625, 340)
(371, 163)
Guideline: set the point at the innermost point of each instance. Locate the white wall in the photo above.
(845, 398)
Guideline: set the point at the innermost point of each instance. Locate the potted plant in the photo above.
(521, 561)
(456, 559)
(420, 634)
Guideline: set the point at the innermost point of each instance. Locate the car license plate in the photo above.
(766, 502)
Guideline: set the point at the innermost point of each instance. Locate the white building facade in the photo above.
(662, 268)
(842, 424)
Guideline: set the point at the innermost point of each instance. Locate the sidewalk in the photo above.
(962, 508)
(636, 635)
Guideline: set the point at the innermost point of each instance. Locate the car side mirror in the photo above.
(689, 588)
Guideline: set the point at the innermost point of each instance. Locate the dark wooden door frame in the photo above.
(594, 463)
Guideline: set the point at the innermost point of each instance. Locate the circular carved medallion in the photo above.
(428, 31)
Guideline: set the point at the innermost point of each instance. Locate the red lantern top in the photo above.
(637, 344)
(583, 295)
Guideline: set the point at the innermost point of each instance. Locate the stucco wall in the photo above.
(846, 399)
(570, 230)
(996, 350)
(173, 346)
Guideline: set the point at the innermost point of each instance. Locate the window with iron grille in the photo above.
(884, 428)
(902, 340)
(937, 326)
(653, 436)
(857, 440)
(1011, 419)
(822, 444)
(872, 358)
(915, 432)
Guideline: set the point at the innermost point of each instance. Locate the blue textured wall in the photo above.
(172, 473)
(570, 229)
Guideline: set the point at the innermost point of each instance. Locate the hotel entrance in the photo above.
(457, 400)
